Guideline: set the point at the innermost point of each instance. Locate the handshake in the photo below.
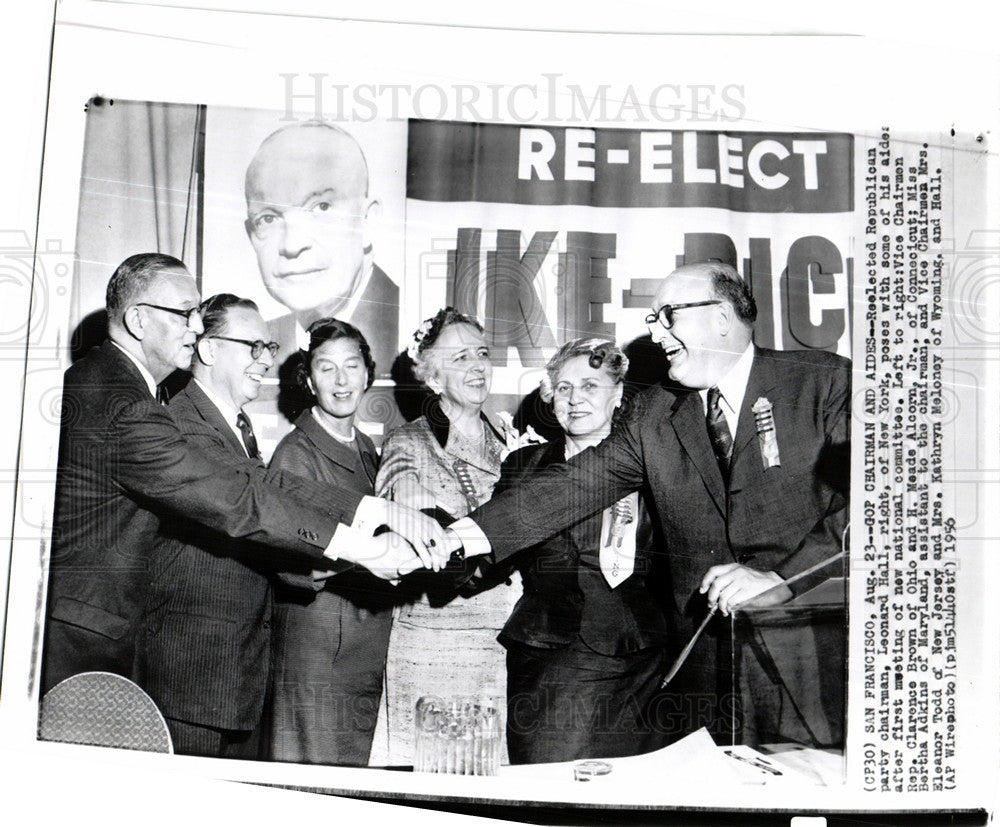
(413, 541)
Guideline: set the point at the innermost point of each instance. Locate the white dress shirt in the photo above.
(732, 388)
(146, 375)
(229, 413)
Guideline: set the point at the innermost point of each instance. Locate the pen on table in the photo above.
(753, 762)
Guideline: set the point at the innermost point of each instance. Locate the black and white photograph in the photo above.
(608, 431)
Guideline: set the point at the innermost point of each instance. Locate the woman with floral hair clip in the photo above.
(448, 459)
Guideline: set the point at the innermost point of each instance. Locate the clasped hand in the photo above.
(414, 541)
(390, 556)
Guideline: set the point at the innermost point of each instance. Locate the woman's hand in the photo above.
(423, 533)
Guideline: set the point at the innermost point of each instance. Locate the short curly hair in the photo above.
(330, 329)
(602, 352)
(428, 333)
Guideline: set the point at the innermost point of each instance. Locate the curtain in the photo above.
(140, 191)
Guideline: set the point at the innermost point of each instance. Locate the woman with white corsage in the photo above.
(448, 459)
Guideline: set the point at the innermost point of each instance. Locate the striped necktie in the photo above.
(718, 431)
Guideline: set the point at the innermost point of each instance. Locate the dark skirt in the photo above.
(329, 661)
(573, 703)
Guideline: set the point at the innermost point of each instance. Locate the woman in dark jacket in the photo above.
(586, 642)
(331, 633)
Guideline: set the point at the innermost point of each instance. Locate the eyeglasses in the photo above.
(188, 315)
(665, 315)
(587, 388)
(257, 347)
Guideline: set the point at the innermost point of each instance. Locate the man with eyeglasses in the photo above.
(744, 498)
(204, 635)
(126, 470)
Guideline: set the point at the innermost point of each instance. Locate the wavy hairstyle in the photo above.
(428, 333)
(330, 329)
(602, 352)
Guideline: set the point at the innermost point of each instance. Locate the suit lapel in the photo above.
(213, 416)
(761, 383)
(369, 459)
(120, 365)
(490, 463)
(337, 452)
(440, 428)
(688, 421)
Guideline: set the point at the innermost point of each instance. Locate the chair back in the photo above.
(105, 710)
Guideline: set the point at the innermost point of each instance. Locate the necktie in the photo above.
(718, 431)
(249, 440)
(161, 395)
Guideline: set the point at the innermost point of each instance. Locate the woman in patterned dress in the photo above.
(449, 459)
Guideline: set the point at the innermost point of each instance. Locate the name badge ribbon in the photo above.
(767, 437)
(617, 553)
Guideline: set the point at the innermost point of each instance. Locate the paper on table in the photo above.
(692, 760)
(824, 767)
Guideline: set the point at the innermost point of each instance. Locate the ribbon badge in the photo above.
(767, 437)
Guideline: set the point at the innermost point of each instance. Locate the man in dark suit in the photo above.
(740, 513)
(204, 639)
(308, 219)
(125, 468)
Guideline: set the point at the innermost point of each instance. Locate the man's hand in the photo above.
(387, 556)
(733, 585)
(425, 534)
(452, 541)
(465, 534)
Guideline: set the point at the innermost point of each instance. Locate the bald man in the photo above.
(308, 219)
(739, 516)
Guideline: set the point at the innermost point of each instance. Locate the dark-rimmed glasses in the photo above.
(665, 315)
(188, 315)
(257, 347)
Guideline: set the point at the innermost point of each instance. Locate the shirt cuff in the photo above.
(369, 515)
(473, 540)
(344, 539)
